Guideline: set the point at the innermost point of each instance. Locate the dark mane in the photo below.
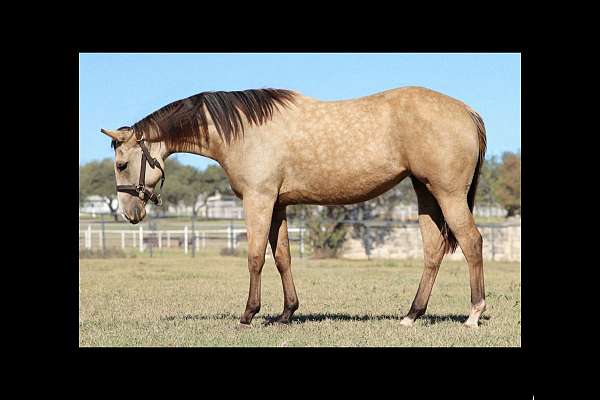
(180, 123)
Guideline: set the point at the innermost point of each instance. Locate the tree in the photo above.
(488, 180)
(326, 230)
(191, 187)
(508, 188)
(98, 178)
(177, 189)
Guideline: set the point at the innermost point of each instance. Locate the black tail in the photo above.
(449, 238)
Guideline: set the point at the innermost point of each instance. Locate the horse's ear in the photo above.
(119, 136)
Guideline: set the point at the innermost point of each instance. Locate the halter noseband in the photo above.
(140, 189)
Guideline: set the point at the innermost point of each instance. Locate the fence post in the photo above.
(509, 253)
(229, 237)
(133, 243)
(168, 239)
(103, 243)
(493, 234)
(123, 239)
(196, 241)
(89, 237)
(160, 239)
(302, 240)
(141, 239)
(203, 239)
(193, 236)
(185, 239)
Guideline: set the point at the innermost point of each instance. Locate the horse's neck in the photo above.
(216, 148)
(213, 149)
(198, 150)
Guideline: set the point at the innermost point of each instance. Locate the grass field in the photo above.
(179, 301)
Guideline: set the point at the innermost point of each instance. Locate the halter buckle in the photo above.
(141, 191)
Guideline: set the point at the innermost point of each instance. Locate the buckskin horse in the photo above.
(279, 147)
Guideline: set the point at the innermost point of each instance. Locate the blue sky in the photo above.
(120, 89)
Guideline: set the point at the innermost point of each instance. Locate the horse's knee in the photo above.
(256, 261)
(282, 262)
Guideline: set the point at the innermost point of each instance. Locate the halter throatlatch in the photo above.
(140, 189)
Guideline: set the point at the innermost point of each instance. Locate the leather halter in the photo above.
(140, 189)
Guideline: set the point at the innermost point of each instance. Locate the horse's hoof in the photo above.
(407, 322)
(242, 326)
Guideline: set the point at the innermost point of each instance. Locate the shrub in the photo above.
(108, 253)
(238, 252)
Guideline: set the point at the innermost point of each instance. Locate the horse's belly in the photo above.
(340, 188)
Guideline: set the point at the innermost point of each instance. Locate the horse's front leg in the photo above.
(259, 210)
(278, 238)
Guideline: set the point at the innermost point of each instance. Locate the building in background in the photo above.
(223, 206)
(218, 206)
(96, 205)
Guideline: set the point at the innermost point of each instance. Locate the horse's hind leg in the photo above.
(278, 238)
(462, 224)
(430, 221)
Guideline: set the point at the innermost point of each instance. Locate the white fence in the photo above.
(172, 238)
(502, 242)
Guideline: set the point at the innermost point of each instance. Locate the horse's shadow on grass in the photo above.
(429, 319)
(318, 317)
(199, 317)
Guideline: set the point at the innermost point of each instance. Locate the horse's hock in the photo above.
(501, 242)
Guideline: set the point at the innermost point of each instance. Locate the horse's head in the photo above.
(139, 166)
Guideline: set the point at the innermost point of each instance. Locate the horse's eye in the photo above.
(121, 166)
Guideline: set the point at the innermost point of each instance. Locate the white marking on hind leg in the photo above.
(476, 311)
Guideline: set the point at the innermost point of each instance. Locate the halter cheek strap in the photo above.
(140, 189)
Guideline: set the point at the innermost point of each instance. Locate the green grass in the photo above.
(179, 301)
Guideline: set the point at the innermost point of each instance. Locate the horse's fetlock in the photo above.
(293, 306)
(480, 306)
(253, 308)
